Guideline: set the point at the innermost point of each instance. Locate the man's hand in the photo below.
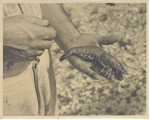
(26, 37)
(66, 30)
(90, 40)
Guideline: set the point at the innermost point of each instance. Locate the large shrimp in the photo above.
(99, 58)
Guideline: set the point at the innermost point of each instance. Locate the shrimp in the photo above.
(96, 55)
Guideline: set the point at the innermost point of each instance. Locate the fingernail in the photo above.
(46, 21)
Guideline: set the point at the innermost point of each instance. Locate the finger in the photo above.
(119, 76)
(45, 33)
(39, 52)
(36, 20)
(43, 23)
(83, 67)
(40, 44)
(34, 54)
(49, 33)
(102, 71)
(107, 40)
(91, 74)
(31, 58)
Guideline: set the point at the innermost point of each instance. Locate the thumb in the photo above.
(107, 40)
(36, 20)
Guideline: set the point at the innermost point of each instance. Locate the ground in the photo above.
(79, 94)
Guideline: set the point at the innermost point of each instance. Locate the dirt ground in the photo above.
(79, 94)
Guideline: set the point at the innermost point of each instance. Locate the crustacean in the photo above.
(103, 63)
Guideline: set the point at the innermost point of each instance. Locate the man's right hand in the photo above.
(26, 37)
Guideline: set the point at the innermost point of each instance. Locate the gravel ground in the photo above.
(80, 95)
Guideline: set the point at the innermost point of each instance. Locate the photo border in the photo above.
(75, 1)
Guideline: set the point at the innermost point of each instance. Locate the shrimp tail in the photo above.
(66, 55)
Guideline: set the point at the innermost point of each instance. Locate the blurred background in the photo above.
(79, 94)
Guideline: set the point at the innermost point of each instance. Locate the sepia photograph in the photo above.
(75, 59)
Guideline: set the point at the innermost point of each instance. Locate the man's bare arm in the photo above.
(66, 32)
(63, 25)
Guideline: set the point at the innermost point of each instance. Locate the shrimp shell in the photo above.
(95, 54)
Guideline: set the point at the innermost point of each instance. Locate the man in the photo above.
(29, 81)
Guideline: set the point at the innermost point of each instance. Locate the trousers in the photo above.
(33, 91)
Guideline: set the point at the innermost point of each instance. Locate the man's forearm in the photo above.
(59, 20)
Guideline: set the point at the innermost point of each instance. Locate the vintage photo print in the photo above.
(75, 59)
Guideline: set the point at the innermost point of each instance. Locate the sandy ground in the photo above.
(79, 94)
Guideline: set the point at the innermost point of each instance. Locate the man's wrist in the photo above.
(67, 41)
